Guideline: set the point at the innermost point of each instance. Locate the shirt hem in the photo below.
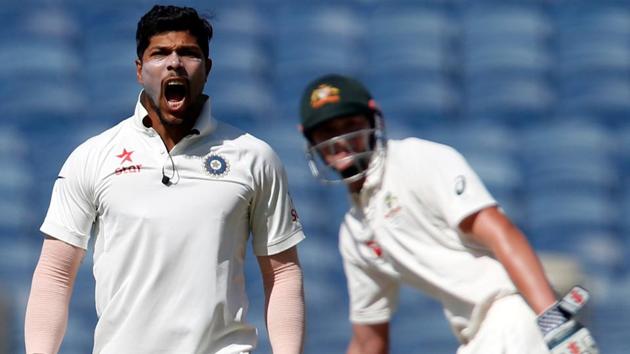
(285, 243)
(456, 221)
(63, 234)
(367, 319)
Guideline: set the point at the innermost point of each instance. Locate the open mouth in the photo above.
(175, 93)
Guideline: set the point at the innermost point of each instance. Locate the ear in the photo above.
(139, 71)
(208, 67)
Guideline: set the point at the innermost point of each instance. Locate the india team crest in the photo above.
(216, 165)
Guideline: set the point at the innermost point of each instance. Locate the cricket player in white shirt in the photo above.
(421, 216)
(171, 196)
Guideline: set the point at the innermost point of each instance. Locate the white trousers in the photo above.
(508, 328)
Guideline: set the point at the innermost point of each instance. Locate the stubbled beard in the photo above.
(159, 113)
(357, 167)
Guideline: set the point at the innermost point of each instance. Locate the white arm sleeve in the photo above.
(273, 219)
(285, 306)
(47, 308)
(458, 190)
(72, 209)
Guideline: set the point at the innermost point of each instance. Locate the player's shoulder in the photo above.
(421, 149)
(95, 144)
(245, 140)
(246, 145)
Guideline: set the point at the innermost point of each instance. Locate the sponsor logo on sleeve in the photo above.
(460, 185)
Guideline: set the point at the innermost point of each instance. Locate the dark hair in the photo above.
(162, 19)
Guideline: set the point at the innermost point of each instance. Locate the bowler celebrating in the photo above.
(171, 196)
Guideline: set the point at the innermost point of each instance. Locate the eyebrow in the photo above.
(177, 47)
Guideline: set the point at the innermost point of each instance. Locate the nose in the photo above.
(339, 146)
(174, 61)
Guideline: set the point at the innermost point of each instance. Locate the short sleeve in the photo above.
(373, 295)
(72, 210)
(273, 218)
(459, 191)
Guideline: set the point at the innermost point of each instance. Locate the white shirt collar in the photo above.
(376, 170)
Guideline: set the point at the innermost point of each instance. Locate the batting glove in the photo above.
(561, 332)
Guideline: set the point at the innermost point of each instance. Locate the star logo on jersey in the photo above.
(125, 156)
(216, 165)
(324, 94)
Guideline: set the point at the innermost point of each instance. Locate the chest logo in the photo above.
(392, 207)
(125, 156)
(216, 165)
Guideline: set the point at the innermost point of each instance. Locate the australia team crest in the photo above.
(216, 165)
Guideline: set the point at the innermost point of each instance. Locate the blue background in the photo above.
(536, 94)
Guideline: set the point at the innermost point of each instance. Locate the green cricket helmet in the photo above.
(334, 96)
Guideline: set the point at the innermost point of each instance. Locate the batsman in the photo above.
(421, 216)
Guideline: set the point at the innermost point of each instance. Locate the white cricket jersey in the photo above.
(404, 228)
(168, 260)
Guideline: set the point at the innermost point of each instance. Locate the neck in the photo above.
(172, 133)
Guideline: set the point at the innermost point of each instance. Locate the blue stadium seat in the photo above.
(623, 149)
(116, 20)
(115, 95)
(111, 71)
(605, 97)
(43, 102)
(237, 55)
(506, 38)
(609, 323)
(245, 103)
(416, 101)
(625, 221)
(519, 101)
(592, 37)
(246, 19)
(311, 41)
(241, 42)
(35, 59)
(553, 218)
(17, 181)
(411, 39)
(594, 60)
(412, 63)
(507, 62)
(570, 155)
